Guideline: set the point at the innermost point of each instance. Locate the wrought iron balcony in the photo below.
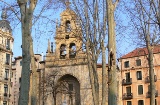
(127, 96)
(5, 94)
(147, 80)
(148, 94)
(127, 81)
(5, 78)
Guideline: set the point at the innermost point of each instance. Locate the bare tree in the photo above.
(146, 22)
(53, 87)
(93, 19)
(112, 74)
(24, 10)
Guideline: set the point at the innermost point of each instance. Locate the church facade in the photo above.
(64, 78)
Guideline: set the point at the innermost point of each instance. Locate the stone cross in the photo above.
(67, 4)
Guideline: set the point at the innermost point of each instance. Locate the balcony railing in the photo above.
(7, 63)
(5, 78)
(5, 94)
(148, 94)
(127, 96)
(147, 80)
(127, 81)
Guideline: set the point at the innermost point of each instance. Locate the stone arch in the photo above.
(62, 51)
(70, 90)
(72, 50)
(68, 26)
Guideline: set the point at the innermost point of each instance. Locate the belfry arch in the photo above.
(70, 91)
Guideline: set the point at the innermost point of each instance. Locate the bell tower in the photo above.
(69, 61)
(68, 35)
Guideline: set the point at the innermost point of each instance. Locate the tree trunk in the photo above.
(92, 63)
(112, 71)
(26, 58)
(34, 76)
(151, 71)
(104, 76)
(26, 11)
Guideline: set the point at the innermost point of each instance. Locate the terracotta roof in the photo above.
(141, 52)
(99, 65)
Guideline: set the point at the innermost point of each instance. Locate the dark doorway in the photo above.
(70, 91)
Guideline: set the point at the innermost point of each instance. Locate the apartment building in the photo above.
(16, 77)
(6, 45)
(135, 77)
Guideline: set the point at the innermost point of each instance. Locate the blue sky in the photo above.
(45, 29)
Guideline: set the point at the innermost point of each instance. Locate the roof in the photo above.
(141, 52)
(4, 25)
(68, 12)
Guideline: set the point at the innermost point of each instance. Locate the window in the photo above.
(140, 102)
(21, 63)
(70, 87)
(128, 77)
(138, 62)
(8, 44)
(6, 74)
(12, 75)
(67, 37)
(68, 26)
(148, 88)
(129, 103)
(126, 64)
(5, 88)
(128, 90)
(155, 102)
(4, 102)
(62, 51)
(72, 50)
(140, 89)
(7, 59)
(20, 80)
(139, 75)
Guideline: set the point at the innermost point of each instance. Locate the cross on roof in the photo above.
(67, 3)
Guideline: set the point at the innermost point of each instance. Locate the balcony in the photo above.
(147, 80)
(7, 63)
(5, 94)
(127, 81)
(148, 94)
(127, 96)
(5, 78)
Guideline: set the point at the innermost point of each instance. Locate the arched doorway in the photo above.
(70, 91)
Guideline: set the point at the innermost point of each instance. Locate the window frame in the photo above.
(68, 26)
(6, 73)
(140, 89)
(8, 44)
(126, 64)
(70, 87)
(139, 75)
(129, 102)
(139, 102)
(128, 76)
(128, 89)
(138, 62)
(7, 58)
(4, 102)
(5, 88)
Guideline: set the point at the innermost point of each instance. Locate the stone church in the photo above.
(66, 66)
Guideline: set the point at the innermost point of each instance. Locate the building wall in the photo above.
(143, 68)
(16, 77)
(5, 65)
(69, 69)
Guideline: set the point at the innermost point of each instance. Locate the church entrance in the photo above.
(70, 91)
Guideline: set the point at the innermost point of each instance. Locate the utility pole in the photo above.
(112, 71)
